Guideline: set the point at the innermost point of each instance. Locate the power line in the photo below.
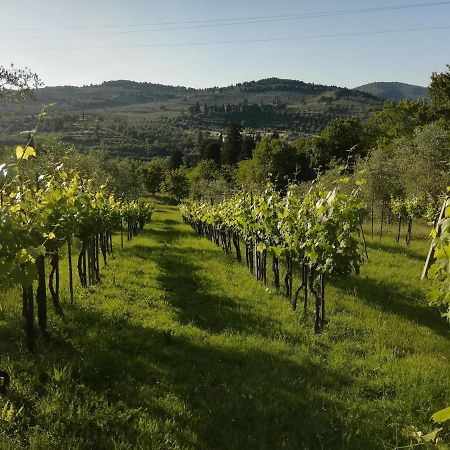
(214, 23)
(242, 41)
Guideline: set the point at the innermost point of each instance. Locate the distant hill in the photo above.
(129, 96)
(144, 120)
(395, 91)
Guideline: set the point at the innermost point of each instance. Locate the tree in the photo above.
(248, 176)
(176, 183)
(425, 161)
(274, 159)
(336, 141)
(201, 175)
(124, 177)
(233, 145)
(153, 174)
(396, 120)
(17, 84)
(212, 151)
(439, 91)
(383, 175)
(200, 139)
(248, 145)
(176, 158)
(304, 169)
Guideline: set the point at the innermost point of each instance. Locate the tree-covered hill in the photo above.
(395, 91)
(130, 96)
(144, 120)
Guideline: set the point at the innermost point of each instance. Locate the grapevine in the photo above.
(316, 232)
(39, 215)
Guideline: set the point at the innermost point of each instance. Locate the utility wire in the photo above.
(241, 41)
(214, 23)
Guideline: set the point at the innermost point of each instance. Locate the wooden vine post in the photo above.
(430, 255)
(69, 256)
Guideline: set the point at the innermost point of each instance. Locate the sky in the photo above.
(205, 43)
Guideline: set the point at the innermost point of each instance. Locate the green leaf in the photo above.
(430, 437)
(442, 415)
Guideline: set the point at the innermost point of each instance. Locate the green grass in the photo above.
(180, 347)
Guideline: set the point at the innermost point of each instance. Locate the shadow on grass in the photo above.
(234, 395)
(214, 394)
(180, 278)
(390, 299)
(190, 293)
(397, 249)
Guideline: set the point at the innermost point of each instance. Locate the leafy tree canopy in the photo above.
(440, 93)
(16, 84)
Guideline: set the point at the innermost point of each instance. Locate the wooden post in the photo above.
(382, 219)
(372, 217)
(322, 297)
(41, 295)
(121, 232)
(27, 296)
(399, 229)
(69, 256)
(84, 262)
(430, 255)
(255, 258)
(57, 275)
(364, 240)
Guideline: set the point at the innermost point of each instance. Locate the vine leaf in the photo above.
(442, 415)
(25, 153)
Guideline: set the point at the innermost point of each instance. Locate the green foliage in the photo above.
(433, 439)
(211, 150)
(176, 159)
(424, 161)
(126, 179)
(439, 272)
(153, 174)
(317, 229)
(17, 84)
(232, 148)
(440, 94)
(274, 160)
(177, 330)
(339, 141)
(398, 208)
(414, 167)
(9, 412)
(442, 416)
(249, 176)
(382, 173)
(176, 183)
(397, 120)
(37, 217)
(208, 181)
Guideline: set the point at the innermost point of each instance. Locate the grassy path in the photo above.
(179, 347)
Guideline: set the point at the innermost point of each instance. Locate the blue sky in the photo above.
(63, 42)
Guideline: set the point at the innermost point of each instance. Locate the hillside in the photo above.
(143, 120)
(394, 91)
(115, 95)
